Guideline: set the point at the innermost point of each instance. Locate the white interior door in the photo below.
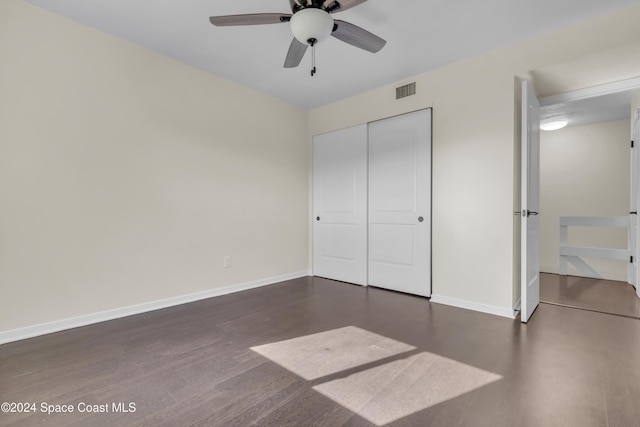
(634, 231)
(340, 205)
(400, 203)
(530, 193)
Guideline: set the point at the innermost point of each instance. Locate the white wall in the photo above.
(584, 171)
(125, 176)
(475, 155)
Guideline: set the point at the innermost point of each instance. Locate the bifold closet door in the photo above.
(400, 203)
(340, 205)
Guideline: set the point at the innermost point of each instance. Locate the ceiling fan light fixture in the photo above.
(554, 125)
(311, 24)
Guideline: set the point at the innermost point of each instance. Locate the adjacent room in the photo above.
(585, 176)
(315, 212)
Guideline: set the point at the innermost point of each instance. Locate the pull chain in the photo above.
(313, 42)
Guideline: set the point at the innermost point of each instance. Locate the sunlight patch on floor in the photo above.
(318, 355)
(386, 393)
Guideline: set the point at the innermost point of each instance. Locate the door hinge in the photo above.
(631, 259)
(631, 144)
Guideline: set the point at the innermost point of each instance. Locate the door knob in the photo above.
(317, 218)
(420, 219)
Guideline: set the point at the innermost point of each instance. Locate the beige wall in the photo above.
(125, 176)
(584, 171)
(475, 159)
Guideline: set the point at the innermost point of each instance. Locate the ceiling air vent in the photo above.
(406, 90)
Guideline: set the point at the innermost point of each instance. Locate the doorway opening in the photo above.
(588, 228)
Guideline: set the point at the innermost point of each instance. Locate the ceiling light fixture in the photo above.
(554, 125)
(310, 26)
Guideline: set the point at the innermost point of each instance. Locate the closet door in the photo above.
(340, 205)
(400, 203)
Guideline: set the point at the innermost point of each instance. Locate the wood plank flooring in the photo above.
(606, 296)
(192, 364)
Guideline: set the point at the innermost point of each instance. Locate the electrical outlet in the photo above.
(227, 261)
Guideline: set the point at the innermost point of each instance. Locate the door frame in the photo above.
(634, 271)
(586, 93)
(632, 84)
(591, 92)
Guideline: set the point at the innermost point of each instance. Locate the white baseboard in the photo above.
(471, 305)
(88, 319)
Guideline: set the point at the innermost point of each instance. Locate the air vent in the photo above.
(406, 90)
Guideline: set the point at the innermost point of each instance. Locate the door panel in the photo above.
(530, 193)
(400, 203)
(392, 244)
(340, 205)
(339, 184)
(393, 154)
(634, 230)
(339, 240)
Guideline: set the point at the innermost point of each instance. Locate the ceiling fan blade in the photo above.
(357, 36)
(295, 53)
(250, 19)
(343, 4)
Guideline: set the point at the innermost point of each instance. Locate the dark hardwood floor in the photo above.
(606, 296)
(192, 364)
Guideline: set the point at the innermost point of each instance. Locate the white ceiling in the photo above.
(421, 35)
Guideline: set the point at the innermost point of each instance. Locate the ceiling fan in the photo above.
(311, 22)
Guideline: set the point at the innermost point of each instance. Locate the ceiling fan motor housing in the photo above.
(311, 25)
